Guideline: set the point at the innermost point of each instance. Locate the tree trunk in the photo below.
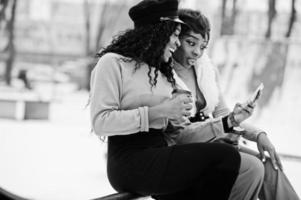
(292, 19)
(223, 18)
(104, 21)
(87, 43)
(10, 46)
(101, 25)
(3, 6)
(233, 17)
(87, 26)
(271, 17)
(228, 19)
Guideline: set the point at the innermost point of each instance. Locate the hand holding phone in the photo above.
(255, 96)
(241, 112)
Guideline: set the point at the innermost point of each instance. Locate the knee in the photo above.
(255, 170)
(231, 159)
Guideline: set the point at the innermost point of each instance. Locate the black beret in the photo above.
(152, 11)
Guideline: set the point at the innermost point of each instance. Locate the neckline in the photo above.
(181, 67)
(199, 96)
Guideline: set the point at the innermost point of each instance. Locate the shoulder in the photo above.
(111, 57)
(113, 63)
(108, 63)
(110, 60)
(115, 58)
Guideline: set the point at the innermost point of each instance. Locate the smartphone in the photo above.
(257, 93)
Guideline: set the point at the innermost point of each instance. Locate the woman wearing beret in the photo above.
(195, 72)
(131, 103)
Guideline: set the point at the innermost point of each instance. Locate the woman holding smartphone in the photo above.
(213, 121)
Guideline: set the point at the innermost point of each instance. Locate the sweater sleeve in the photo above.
(107, 117)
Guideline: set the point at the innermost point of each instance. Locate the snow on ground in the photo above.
(54, 159)
(59, 159)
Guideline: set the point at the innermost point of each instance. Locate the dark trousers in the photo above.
(143, 163)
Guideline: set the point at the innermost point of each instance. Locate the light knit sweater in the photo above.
(120, 97)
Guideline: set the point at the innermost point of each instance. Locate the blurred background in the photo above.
(47, 51)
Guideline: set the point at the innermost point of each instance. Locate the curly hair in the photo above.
(145, 44)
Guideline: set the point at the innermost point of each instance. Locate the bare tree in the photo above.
(271, 16)
(9, 27)
(223, 17)
(101, 24)
(234, 12)
(228, 17)
(87, 11)
(3, 6)
(106, 19)
(293, 18)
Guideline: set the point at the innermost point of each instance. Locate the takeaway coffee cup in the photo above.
(175, 93)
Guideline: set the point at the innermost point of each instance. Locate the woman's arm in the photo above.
(107, 116)
(106, 89)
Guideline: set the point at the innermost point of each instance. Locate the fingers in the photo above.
(251, 105)
(182, 119)
(278, 161)
(238, 108)
(245, 105)
(187, 106)
(273, 159)
(183, 99)
(186, 99)
(262, 155)
(248, 109)
(238, 105)
(264, 144)
(186, 113)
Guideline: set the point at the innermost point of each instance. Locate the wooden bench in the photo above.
(13, 108)
(35, 109)
(8, 108)
(123, 196)
(7, 195)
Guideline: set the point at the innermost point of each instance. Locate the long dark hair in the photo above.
(145, 44)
